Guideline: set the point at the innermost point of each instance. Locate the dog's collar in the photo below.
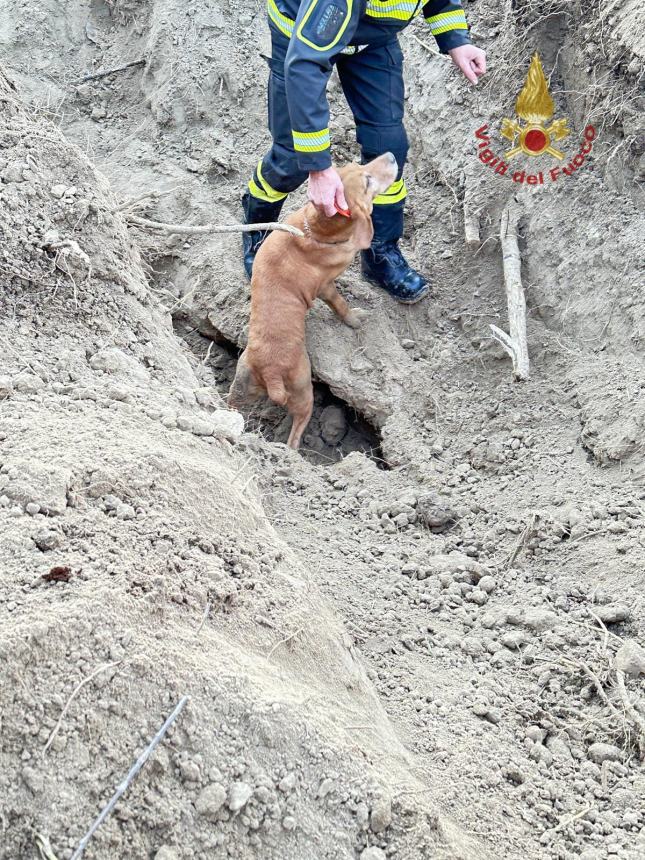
(306, 229)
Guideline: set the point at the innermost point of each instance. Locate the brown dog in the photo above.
(289, 274)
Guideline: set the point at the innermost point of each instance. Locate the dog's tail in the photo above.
(276, 390)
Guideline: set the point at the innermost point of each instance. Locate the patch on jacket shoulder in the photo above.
(324, 23)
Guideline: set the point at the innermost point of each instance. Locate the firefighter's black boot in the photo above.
(256, 212)
(383, 263)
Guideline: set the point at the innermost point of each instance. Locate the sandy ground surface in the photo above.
(421, 636)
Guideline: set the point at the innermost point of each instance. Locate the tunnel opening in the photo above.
(336, 429)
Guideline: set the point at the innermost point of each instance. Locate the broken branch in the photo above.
(187, 230)
(471, 215)
(98, 75)
(630, 710)
(75, 693)
(514, 343)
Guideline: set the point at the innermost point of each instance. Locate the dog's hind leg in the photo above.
(244, 388)
(353, 317)
(300, 402)
(300, 408)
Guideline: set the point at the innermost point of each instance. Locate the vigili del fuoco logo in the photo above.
(538, 135)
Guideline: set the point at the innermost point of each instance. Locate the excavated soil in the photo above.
(421, 637)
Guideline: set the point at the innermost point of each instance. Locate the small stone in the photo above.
(477, 596)
(514, 774)
(189, 770)
(494, 716)
(289, 822)
(540, 620)
(487, 584)
(287, 783)
(373, 853)
(201, 427)
(46, 539)
(480, 709)
(238, 796)
(435, 515)
(614, 613)
(13, 172)
(227, 424)
(6, 387)
(559, 748)
(535, 733)
(362, 815)
(333, 424)
(325, 787)
(600, 752)
(118, 392)
(630, 658)
(185, 423)
(32, 508)
(472, 646)
(210, 800)
(30, 383)
(513, 640)
(494, 618)
(33, 779)
(58, 191)
(407, 343)
(381, 816)
(84, 93)
(166, 853)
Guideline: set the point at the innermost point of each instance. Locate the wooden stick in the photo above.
(570, 819)
(123, 786)
(205, 615)
(284, 641)
(75, 693)
(44, 847)
(514, 343)
(471, 215)
(426, 46)
(631, 711)
(98, 75)
(471, 225)
(186, 230)
(149, 195)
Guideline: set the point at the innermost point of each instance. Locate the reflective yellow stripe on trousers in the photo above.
(395, 193)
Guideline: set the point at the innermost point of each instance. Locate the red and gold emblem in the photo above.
(535, 105)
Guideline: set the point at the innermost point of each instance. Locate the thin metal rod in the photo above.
(123, 786)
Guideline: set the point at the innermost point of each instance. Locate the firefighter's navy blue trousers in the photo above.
(372, 80)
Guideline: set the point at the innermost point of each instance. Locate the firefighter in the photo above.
(358, 37)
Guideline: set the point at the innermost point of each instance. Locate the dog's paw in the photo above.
(356, 317)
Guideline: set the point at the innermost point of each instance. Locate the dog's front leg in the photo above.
(353, 317)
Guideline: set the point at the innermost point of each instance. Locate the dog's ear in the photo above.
(364, 230)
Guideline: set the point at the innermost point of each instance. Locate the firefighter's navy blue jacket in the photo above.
(319, 30)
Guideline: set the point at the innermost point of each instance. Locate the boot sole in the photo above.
(413, 301)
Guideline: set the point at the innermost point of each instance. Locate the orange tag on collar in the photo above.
(344, 212)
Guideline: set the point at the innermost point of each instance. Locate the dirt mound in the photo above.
(140, 566)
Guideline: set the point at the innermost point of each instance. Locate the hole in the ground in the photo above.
(335, 429)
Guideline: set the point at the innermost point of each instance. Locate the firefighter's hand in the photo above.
(325, 190)
(471, 61)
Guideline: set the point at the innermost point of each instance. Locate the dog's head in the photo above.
(362, 183)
